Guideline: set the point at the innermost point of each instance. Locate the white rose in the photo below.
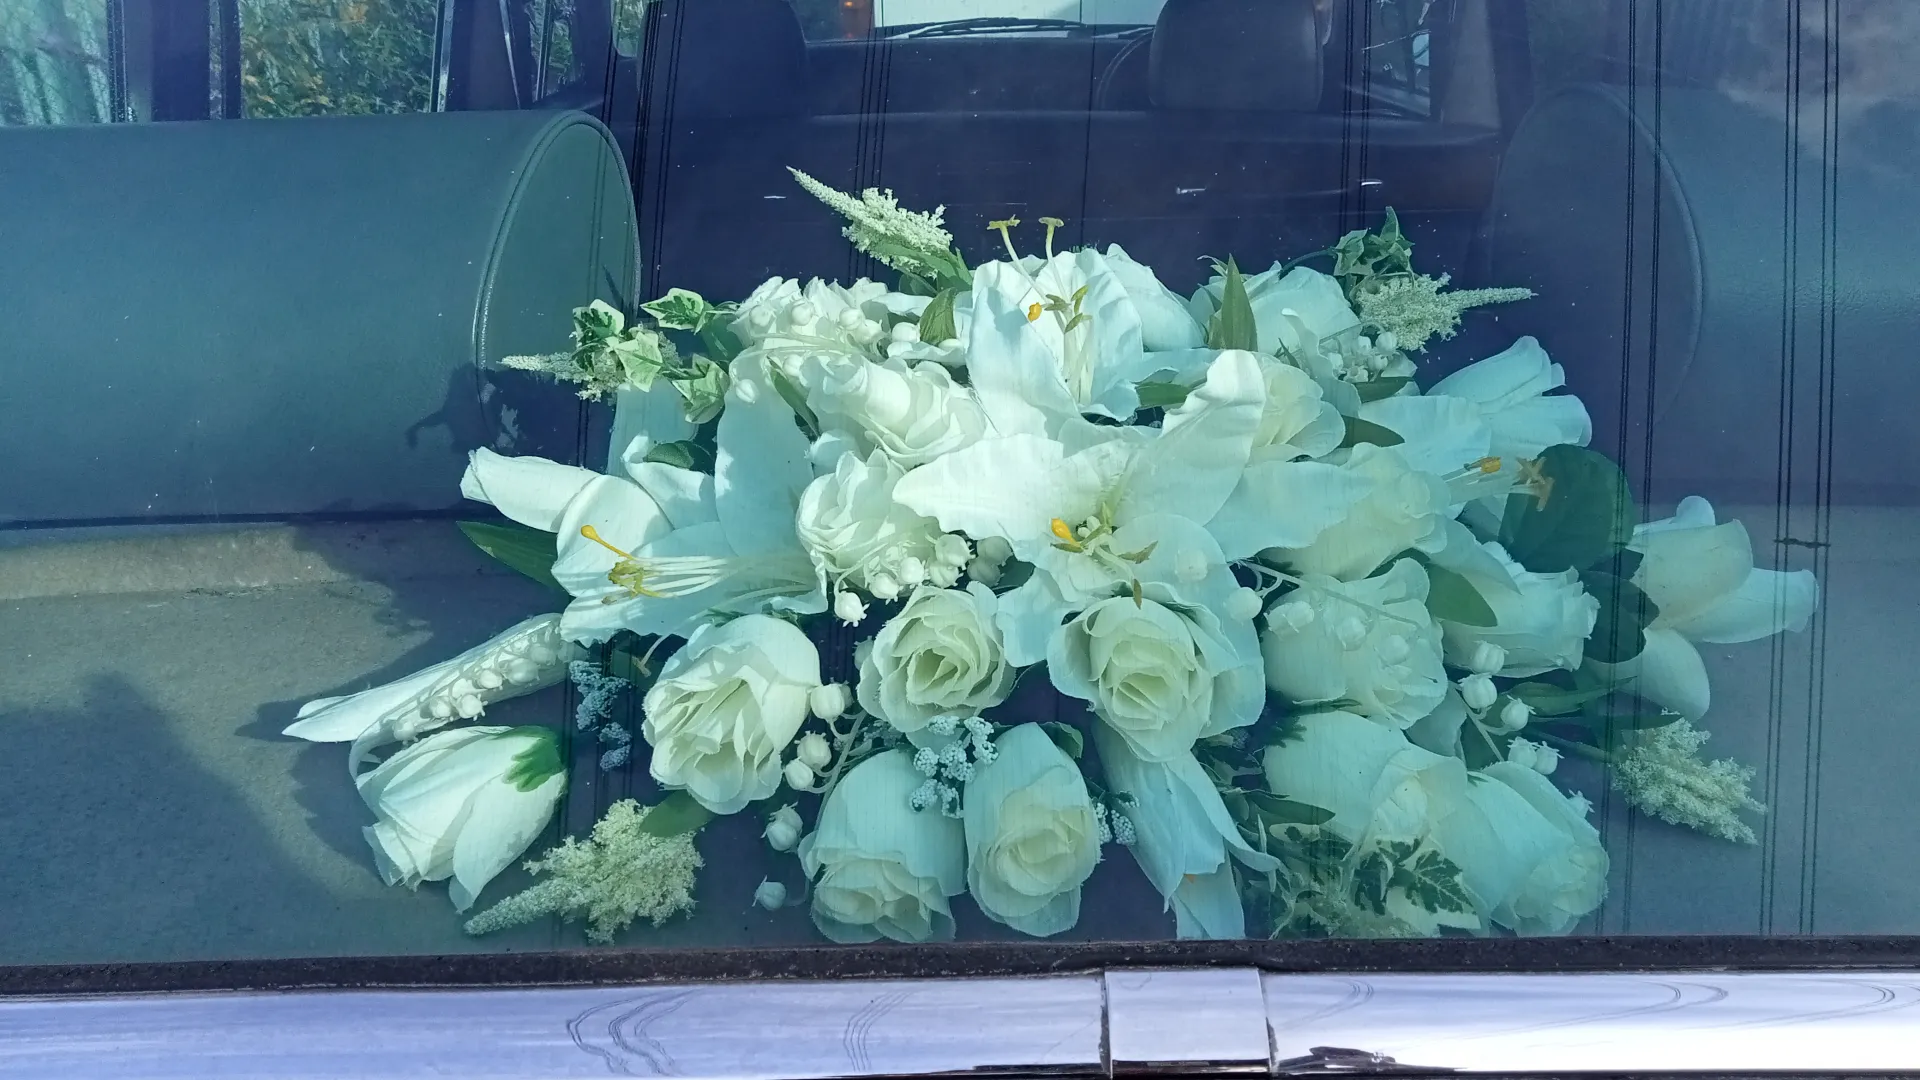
(856, 533)
(912, 414)
(1165, 323)
(1569, 880)
(1403, 508)
(1183, 837)
(1541, 621)
(878, 868)
(1701, 576)
(1370, 641)
(1381, 790)
(1151, 673)
(1316, 301)
(940, 655)
(1032, 840)
(1510, 393)
(462, 804)
(1296, 421)
(854, 318)
(725, 708)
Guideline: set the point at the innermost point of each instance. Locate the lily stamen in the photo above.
(660, 577)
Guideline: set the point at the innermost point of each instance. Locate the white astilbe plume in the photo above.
(1665, 777)
(618, 875)
(1415, 309)
(906, 240)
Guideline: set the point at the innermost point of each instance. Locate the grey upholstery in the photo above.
(1252, 55)
(260, 319)
(1689, 298)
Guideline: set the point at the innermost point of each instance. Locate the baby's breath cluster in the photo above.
(1413, 309)
(949, 767)
(598, 691)
(908, 241)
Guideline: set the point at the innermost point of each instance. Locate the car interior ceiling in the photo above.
(1227, 128)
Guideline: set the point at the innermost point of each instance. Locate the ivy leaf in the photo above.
(1161, 395)
(1620, 629)
(529, 551)
(1232, 326)
(1384, 387)
(1452, 598)
(684, 454)
(1580, 514)
(676, 814)
(703, 390)
(1066, 737)
(1430, 880)
(936, 322)
(1366, 431)
(680, 309)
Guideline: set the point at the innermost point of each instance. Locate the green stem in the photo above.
(1577, 749)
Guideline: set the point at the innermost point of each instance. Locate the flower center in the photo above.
(661, 577)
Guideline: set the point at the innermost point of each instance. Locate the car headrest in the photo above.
(263, 319)
(725, 58)
(1236, 55)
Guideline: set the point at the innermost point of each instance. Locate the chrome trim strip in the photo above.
(1117, 1022)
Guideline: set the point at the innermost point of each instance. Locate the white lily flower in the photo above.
(529, 656)
(1509, 391)
(1183, 837)
(682, 544)
(462, 804)
(1316, 301)
(1701, 576)
(1166, 324)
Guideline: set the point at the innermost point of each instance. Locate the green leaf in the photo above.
(684, 454)
(1161, 395)
(718, 341)
(1384, 387)
(539, 762)
(915, 285)
(796, 400)
(1620, 629)
(676, 814)
(1451, 597)
(1546, 699)
(936, 322)
(1279, 812)
(1580, 513)
(1479, 747)
(530, 551)
(680, 309)
(1066, 737)
(1232, 326)
(1366, 431)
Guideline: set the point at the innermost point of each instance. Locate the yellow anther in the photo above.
(1033, 314)
(593, 534)
(1488, 465)
(1003, 224)
(1065, 532)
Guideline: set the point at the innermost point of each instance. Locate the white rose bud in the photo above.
(952, 550)
(798, 775)
(1487, 658)
(826, 702)
(783, 829)
(849, 608)
(813, 750)
(913, 570)
(1478, 692)
(1242, 603)
(1515, 714)
(883, 585)
(770, 895)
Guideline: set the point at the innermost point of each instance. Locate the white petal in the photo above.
(1522, 371)
(1671, 674)
(1688, 571)
(1028, 618)
(1443, 434)
(1202, 448)
(1013, 372)
(532, 491)
(497, 831)
(1766, 603)
(1285, 504)
(1525, 429)
(760, 466)
(1164, 320)
(655, 414)
(1335, 765)
(1207, 906)
(1011, 487)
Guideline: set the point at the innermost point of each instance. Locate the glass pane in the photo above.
(914, 469)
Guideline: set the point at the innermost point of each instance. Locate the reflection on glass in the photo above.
(53, 63)
(1248, 469)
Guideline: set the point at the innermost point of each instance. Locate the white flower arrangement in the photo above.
(1316, 639)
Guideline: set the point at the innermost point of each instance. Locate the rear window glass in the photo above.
(491, 477)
